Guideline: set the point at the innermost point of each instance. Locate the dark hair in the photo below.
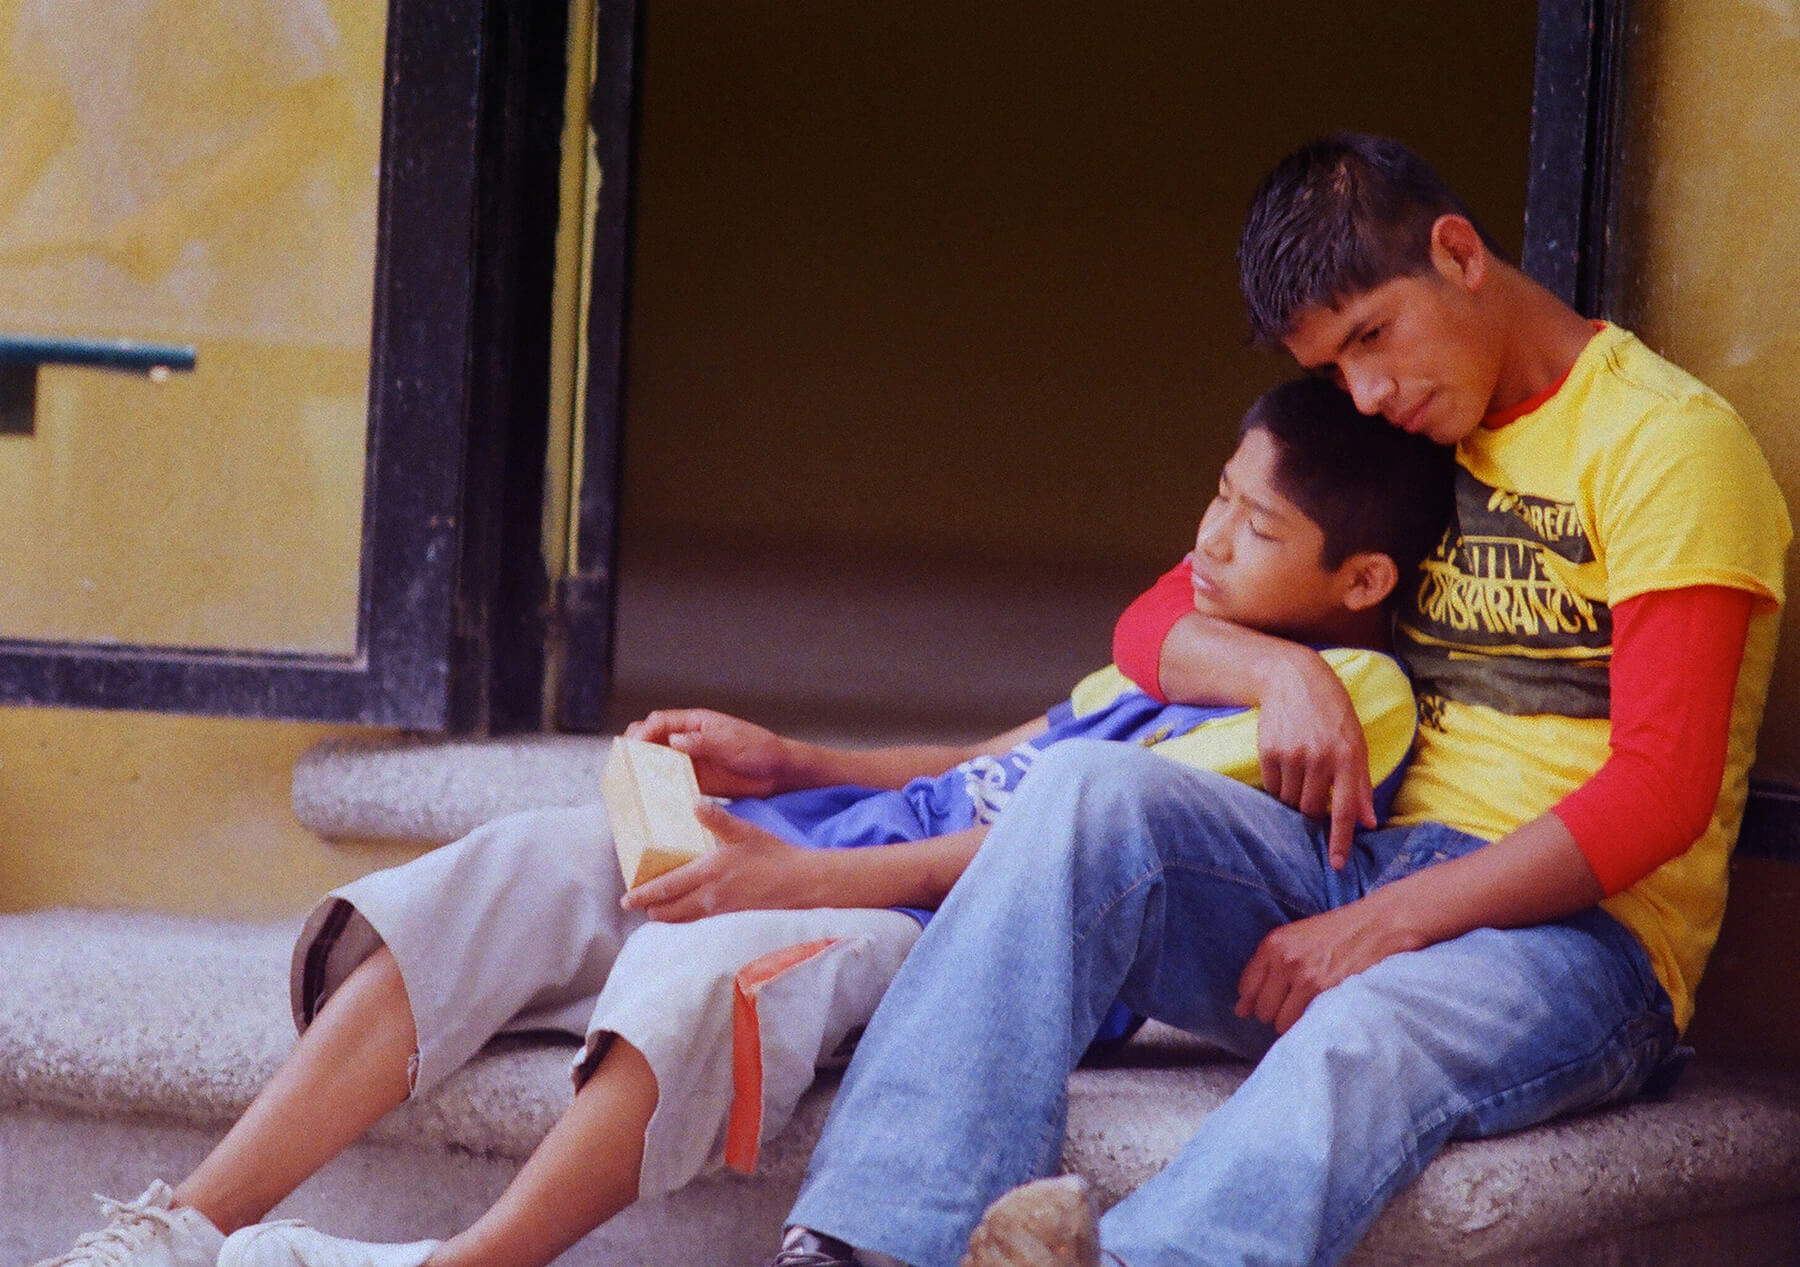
(1337, 217)
(1366, 483)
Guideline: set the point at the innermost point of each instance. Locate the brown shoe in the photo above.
(1049, 1223)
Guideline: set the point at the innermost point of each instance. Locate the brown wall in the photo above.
(924, 277)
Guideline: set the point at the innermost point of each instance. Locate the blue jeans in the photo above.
(1116, 873)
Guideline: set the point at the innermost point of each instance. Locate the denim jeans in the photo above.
(1116, 873)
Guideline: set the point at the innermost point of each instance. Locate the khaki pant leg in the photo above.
(514, 927)
(734, 1014)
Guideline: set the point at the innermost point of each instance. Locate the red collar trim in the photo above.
(1512, 413)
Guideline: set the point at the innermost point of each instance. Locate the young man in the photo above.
(402, 976)
(1591, 646)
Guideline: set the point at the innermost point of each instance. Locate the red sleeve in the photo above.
(1674, 672)
(1139, 636)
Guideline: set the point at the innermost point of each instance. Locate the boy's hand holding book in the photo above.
(751, 870)
(732, 757)
(682, 856)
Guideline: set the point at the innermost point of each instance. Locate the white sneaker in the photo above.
(149, 1232)
(292, 1244)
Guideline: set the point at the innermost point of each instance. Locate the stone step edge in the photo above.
(433, 791)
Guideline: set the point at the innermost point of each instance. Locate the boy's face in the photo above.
(1415, 350)
(1257, 557)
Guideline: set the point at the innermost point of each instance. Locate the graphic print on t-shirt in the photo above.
(1493, 622)
(989, 781)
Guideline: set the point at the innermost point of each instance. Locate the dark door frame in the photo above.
(587, 599)
(1569, 197)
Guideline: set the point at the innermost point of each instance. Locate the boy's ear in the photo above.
(1457, 251)
(1369, 576)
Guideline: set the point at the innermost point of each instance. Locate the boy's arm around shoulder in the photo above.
(1380, 695)
(1309, 742)
(1309, 739)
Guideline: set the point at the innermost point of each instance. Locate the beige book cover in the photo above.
(650, 792)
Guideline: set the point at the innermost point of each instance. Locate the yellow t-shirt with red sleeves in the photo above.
(1633, 477)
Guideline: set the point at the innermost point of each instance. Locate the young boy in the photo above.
(781, 937)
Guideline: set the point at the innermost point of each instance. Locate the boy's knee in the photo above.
(1370, 1029)
(541, 838)
(708, 950)
(1094, 770)
(1091, 779)
(656, 942)
(1081, 810)
(1079, 760)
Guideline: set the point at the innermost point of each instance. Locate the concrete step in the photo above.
(433, 791)
(129, 1042)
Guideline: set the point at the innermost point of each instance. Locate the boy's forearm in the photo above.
(814, 765)
(1210, 661)
(1309, 739)
(1533, 875)
(913, 873)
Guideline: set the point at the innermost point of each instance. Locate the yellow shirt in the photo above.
(1633, 477)
(1226, 742)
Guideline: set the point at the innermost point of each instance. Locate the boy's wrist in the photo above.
(1407, 924)
(1277, 663)
(816, 879)
(799, 764)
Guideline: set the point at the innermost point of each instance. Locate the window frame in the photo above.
(419, 436)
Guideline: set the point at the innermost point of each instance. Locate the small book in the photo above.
(650, 791)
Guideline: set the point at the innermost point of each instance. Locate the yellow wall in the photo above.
(195, 172)
(164, 813)
(1707, 268)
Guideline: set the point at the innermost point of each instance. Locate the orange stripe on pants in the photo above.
(743, 1131)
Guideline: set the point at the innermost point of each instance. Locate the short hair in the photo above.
(1338, 217)
(1367, 484)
